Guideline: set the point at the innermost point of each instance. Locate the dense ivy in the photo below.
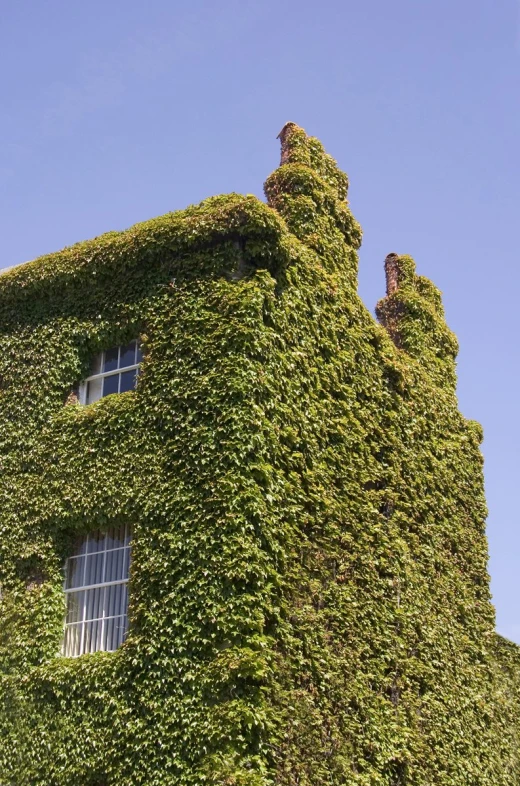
(309, 598)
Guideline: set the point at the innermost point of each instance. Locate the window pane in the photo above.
(94, 603)
(139, 356)
(115, 630)
(115, 537)
(110, 384)
(92, 640)
(128, 380)
(80, 546)
(127, 355)
(72, 642)
(95, 366)
(94, 571)
(123, 600)
(75, 571)
(112, 599)
(94, 390)
(126, 564)
(108, 635)
(75, 603)
(96, 541)
(121, 628)
(114, 565)
(116, 600)
(111, 357)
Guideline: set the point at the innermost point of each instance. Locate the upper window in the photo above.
(96, 588)
(112, 371)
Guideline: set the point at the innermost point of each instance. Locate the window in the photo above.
(96, 588)
(112, 371)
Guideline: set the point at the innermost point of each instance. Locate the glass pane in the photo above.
(115, 631)
(75, 570)
(111, 599)
(96, 541)
(95, 366)
(115, 537)
(127, 355)
(111, 357)
(109, 635)
(114, 565)
(116, 600)
(92, 639)
(94, 603)
(110, 384)
(80, 546)
(94, 571)
(121, 628)
(128, 380)
(128, 534)
(126, 564)
(123, 599)
(139, 356)
(94, 390)
(75, 603)
(72, 642)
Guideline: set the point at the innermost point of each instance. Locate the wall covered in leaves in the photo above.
(309, 601)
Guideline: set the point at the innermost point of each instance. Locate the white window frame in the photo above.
(83, 385)
(87, 587)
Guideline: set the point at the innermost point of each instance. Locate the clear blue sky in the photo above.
(117, 111)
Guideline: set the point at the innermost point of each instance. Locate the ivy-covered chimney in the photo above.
(413, 315)
(310, 192)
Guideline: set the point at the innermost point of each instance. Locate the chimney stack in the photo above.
(392, 273)
(283, 136)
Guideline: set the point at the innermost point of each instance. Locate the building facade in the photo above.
(242, 523)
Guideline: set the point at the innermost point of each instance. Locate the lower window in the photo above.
(96, 588)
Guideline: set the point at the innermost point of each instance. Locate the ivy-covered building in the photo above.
(241, 522)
